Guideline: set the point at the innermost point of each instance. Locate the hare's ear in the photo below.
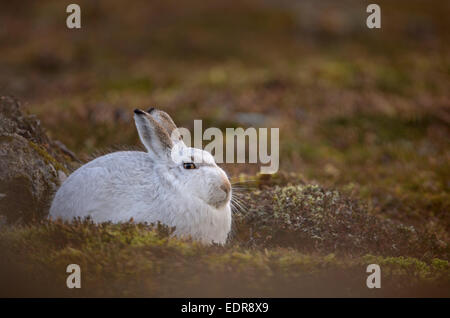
(167, 123)
(154, 137)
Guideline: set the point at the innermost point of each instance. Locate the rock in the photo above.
(31, 165)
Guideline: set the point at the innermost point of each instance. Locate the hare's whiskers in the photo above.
(238, 206)
(239, 203)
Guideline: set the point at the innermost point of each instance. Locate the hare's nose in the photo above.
(226, 187)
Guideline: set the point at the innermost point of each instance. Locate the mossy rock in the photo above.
(31, 165)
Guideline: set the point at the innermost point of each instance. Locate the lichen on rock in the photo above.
(31, 166)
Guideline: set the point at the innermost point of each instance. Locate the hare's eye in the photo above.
(189, 165)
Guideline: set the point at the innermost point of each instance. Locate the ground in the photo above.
(364, 141)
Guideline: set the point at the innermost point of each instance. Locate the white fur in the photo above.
(150, 187)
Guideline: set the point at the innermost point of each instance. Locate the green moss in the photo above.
(47, 157)
(339, 73)
(412, 268)
(263, 180)
(119, 83)
(392, 80)
(382, 128)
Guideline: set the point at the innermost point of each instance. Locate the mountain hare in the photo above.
(171, 183)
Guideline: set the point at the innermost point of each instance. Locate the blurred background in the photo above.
(365, 111)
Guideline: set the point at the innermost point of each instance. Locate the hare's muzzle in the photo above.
(226, 187)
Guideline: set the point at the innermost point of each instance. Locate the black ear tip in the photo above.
(150, 110)
(138, 112)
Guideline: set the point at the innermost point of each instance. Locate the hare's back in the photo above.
(103, 186)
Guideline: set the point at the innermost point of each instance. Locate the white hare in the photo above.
(171, 183)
